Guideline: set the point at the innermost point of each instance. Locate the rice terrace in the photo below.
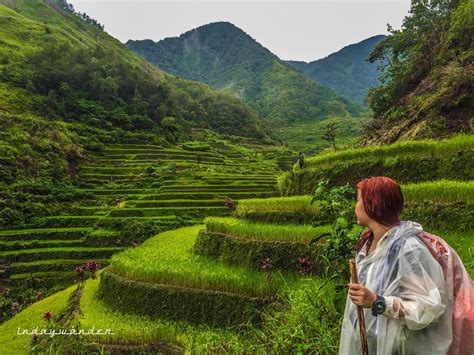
(197, 194)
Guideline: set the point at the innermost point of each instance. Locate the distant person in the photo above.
(416, 295)
(301, 160)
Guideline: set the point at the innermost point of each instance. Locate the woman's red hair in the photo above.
(383, 199)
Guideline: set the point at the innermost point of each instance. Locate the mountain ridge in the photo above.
(345, 71)
(227, 58)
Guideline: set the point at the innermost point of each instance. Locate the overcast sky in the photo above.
(293, 30)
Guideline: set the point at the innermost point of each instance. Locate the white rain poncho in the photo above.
(402, 269)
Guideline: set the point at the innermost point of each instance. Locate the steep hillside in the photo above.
(53, 64)
(67, 87)
(229, 60)
(428, 81)
(346, 71)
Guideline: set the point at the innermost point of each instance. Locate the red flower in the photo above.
(47, 316)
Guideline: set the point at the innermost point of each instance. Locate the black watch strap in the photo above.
(379, 306)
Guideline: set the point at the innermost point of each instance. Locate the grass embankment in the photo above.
(421, 148)
(442, 192)
(30, 318)
(168, 259)
(406, 162)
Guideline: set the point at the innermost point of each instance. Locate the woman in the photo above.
(401, 287)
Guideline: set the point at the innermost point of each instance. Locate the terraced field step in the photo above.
(169, 151)
(268, 175)
(106, 177)
(133, 146)
(58, 253)
(48, 274)
(187, 181)
(44, 233)
(193, 195)
(172, 282)
(162, 157)
(163, 211)
(17, 245)
(216, 187)
(217, 180)
(249, 166)
(178, 188)
(174, 203)
(246, 243)
(91, 221)
(51, 265)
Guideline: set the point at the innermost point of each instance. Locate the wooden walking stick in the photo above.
(360, 312)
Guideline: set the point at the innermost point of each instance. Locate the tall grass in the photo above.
(130, 329)
(413, 148)
(168, 259)
(439, 191)
(309, 319)
(294, 204)
(29, 318)
(444, 191)
(264, 231)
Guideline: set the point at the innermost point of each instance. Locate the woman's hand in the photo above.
(361, 295)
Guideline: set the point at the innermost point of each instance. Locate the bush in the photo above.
(11, 217)
(196, 146)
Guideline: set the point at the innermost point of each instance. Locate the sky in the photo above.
(303, 30)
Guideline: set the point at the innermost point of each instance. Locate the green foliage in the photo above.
(457, 216)
(30, 318)
(77, 73)
(167, 259)
(309, 318)
(178, 303)
(338, 202)
(58, 253)
(308, 136)
(252, 252)
(263, 231)
(347, 71)
(194, 146)
(406, 162)
(426, 72)
(294, 203)
(440, 191)
(235, 63)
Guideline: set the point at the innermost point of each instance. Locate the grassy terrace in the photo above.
(64, 253)
(457, 196)
(409, 148)
(444, 191)
(40, 244)
(50, 265)
(162, 188)
(168, 259)
(43, 233)
(30, 318)
(406, 162)
(264, 231)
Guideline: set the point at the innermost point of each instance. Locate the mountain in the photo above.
(346, 71)
(225, 57)
(60, 64)
(67, 89)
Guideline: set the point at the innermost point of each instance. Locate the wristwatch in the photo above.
(379, 306)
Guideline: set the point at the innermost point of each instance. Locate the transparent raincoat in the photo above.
(403, 270)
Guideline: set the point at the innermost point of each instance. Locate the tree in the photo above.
(330, 133)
